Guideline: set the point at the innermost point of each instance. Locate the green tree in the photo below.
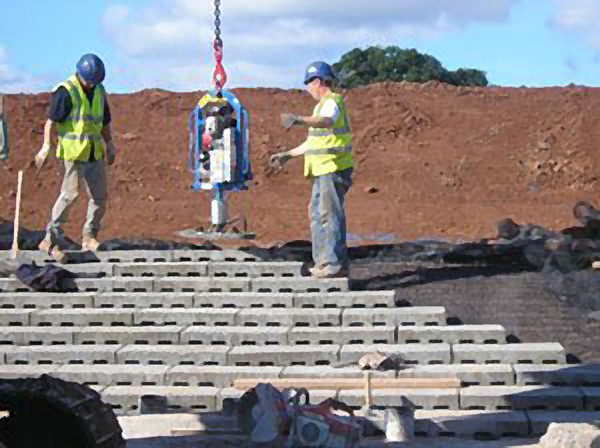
(375, 64)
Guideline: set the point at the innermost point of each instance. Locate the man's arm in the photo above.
(318, 122)
(48, 127)
(106, 134)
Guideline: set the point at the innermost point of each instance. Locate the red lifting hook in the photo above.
(219, 70)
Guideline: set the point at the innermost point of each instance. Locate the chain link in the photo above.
(218, 23)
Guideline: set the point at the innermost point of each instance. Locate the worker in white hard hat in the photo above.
(328, 163)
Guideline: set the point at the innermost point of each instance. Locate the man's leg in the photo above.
(60, 211)
(328, 221)
(95, 184)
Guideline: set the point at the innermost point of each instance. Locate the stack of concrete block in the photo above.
(186, 324)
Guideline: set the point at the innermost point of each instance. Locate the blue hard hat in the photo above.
(91, 69)
(320, 70)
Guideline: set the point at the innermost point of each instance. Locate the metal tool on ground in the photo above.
(219, 150)
(15, 246)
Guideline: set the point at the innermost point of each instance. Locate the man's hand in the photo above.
(41, 156)
(111, 153)
(279, 159)
(289, 120)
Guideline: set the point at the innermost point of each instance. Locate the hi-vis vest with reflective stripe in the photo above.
(330, 149)
(82, 128)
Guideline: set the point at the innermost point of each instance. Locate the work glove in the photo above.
(289, 120)
(279, 159)
(41, 156)
(111, 153)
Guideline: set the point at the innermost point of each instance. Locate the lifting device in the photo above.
(219, 149)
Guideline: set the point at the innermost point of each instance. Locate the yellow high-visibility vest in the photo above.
(330, 149)
(82, 128)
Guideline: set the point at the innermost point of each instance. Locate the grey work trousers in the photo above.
(93, 175)
(328, 219)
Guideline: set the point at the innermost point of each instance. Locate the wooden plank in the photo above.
(351, 383)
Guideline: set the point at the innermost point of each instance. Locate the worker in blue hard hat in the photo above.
(80, 112)
(328, 163)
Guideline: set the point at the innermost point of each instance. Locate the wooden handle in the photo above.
(350, 383)
(15, 246)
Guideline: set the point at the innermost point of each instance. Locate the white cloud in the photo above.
(579, 16)
(271, 41)
(13, 80)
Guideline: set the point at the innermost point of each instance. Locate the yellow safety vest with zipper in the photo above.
(81, 130)
(330, 149)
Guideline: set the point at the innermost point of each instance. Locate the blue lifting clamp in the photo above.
(219, 156)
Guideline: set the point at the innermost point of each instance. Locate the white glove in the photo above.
(41, 156)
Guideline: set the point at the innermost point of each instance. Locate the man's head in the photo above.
(318, 79)
(90, 70)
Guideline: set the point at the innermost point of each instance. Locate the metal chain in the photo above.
(218, 23)
(219, 75)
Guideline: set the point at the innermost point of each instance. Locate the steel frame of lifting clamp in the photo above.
(242, 172)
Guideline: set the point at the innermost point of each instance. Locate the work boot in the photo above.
(89, 244)
(327, 272)
(54, 251)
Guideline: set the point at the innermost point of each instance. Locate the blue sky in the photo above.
(166, 43)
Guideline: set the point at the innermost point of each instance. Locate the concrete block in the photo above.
(454, 334)
(263, 269)
(406, 316)
(61, 354)
(469, 375)
(113, 375)
(429, 399)
(521, 398)
(8, 372)
(173, 355)
(557, 375)
(125, 399)
(167, 335)
(143, 300)
(217, 376)
(174, 284)
(36, 336)
(332, 372)
(242, 300)
(82, 318)
(8, 285)
(591, 397)
(346, 299)
(102, 269)
(540, 420)
(169, 269)
(301, 285)
(233, 336)
(137, 256)
(46, 300)
(229, 255)
(14, 318)
(469, 424)
(290, 317)
(115, 284)
(4, 351)
(422, 354)
(284, 355)
(197, 316)
(148, 426)
(342, 335)
(525, 353)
